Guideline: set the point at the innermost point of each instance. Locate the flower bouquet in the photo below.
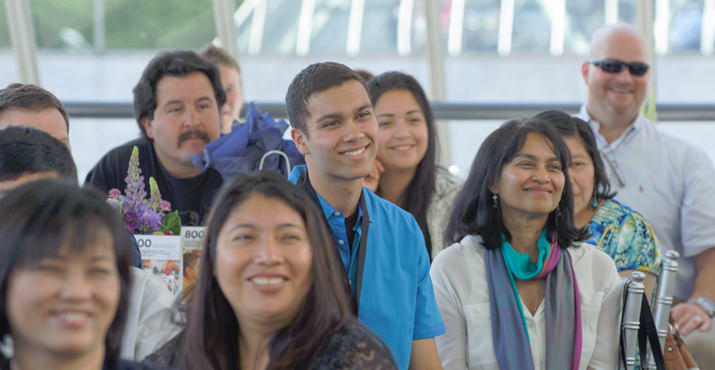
(155, 227)
(141, 215)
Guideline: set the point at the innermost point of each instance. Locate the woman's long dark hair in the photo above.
(40, 218)
(211, 338)
(419, 191)
(569, 126)
(474, 210)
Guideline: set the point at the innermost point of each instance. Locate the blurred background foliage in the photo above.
(128, 24)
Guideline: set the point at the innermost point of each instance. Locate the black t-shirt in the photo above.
(191, 197)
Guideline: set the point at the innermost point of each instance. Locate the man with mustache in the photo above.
(177, 105)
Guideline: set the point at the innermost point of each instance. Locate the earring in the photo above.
(556, 217)
(495, 199)
(594, 202)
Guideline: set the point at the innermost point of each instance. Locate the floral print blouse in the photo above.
(626, 236)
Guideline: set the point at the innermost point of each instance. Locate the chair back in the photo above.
(663, 299)
(631, 318)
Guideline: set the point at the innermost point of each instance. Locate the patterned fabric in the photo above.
(446, 187)
(353, 347)
(626, 236)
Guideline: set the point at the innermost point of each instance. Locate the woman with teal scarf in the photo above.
(518, 289)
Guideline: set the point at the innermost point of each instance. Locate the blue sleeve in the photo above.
(135, 250)
(428, 321)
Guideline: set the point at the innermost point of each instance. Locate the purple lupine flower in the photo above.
(140, 215)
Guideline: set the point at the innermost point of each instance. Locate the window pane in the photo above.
(627, 11)
(62, 24)
(76, 67)
(243, 19)
(419, 29)
(481, 26)
(141, 24)
(4, 30)
(280, 30)
(532, 27)
(91, 138)
(329, 33)
(8, 72)
(379, 27)
(685, 25)
(582, 19)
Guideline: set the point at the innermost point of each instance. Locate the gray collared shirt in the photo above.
(670, 182)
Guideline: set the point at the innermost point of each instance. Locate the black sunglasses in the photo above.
(616, 66)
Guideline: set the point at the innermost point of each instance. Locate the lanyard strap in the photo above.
(304, 183)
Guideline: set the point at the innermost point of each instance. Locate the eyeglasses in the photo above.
(616, 66)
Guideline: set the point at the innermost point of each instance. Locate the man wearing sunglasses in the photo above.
(670, 182)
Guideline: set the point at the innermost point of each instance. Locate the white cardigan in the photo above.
(459, 278)
(150, 317)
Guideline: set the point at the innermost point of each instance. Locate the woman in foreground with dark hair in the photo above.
(616, 229)
(410, 176)
(518, 268)
(64, 265)
(269, 294)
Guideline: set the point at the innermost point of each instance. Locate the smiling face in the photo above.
(616, 94)
(531, 183)
(582, 174)
(340, 143)
(403, 136)
(263, 261)
(185, 120)
(64, 304)
(231, 83)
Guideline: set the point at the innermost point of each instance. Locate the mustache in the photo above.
(188, 134)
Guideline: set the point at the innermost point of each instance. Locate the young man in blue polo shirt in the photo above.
(381, 246)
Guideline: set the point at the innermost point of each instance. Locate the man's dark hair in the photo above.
(219, 56)
(178, 63)
(32, 98)
(313, 79)
(476, 213)
(568, 126)
(29, 150)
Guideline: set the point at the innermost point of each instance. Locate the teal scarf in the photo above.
(563, 306)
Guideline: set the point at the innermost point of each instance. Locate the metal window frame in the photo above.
(441, 110)
(225, 27)
(22, 38)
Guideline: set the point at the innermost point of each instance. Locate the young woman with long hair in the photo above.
(270, 294)
(407, 153)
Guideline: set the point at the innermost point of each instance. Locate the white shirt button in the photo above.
(341, 242)
(336, 213)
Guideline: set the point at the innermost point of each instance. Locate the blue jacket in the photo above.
(397, 299)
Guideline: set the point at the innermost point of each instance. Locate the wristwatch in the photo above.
(705, 303)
